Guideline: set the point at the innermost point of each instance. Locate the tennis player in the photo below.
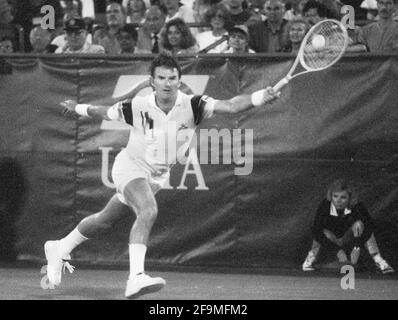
(142, 168)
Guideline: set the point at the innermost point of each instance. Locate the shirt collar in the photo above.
(333, 211)
(178, 102)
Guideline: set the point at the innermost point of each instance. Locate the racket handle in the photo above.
(281, 84)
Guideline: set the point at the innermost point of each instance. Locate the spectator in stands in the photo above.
(296, 29)
(135, 11)
(28, 15)
(127, 37)
(315, 11)
(76, 38)
(381, 35)
(256, 8)
(6, 16)
(294, 10)
(270, 35)
(40, 40)
(174, 9)
(176, 38)
(6, 45)
(238, 41)
(60, 39)
(239, 15)
(371, 9)
(342, 224)
(149, 35)
(71, 8)
(220, 20)
(115, 20)
(200, 8)
(7, 28)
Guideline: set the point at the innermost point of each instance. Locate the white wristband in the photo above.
(82, 109)
(257, 98)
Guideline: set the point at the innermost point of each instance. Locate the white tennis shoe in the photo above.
(142, 284)
(308, 264)
(56, 263)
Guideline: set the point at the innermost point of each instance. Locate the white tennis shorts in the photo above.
(126, 169)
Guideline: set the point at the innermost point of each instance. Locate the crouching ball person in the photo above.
(341, 222)
(141, 169)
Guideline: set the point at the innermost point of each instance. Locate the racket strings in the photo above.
(332, 44)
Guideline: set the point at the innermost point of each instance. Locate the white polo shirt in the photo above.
(157, 140)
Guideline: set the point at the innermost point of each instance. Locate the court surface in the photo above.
(18, 283)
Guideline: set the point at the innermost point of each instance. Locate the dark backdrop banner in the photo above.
(232, 211)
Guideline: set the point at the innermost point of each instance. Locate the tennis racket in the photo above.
(322, 46)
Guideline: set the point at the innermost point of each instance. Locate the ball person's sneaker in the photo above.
(309, 261)
(142, 284)
(56, 263)
(384, 267)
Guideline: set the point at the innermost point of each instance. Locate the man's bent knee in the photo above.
(148, 214)
(358, 228)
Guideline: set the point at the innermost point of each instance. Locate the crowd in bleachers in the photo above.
(188, 26)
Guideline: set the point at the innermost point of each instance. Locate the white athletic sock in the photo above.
(72, 240)
(137, 253)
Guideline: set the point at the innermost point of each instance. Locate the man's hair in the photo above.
(166, 61)
(130, 29)
(123, 9)
(343, 185)
(322, 10)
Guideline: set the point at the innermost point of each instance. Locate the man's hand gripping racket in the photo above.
(323, 46)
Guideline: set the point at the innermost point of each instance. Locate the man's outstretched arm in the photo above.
(74, 109)
(244, 102)
(114, 112)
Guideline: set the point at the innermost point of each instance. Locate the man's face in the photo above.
(274, 10)
(171, 4)
(76, 38)
(114, 15)
(386, 8)
(312, 16)
(297, 32)
(340, 199)
(238, 41)
(154, 20)
(165, 82)
(126, 41)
